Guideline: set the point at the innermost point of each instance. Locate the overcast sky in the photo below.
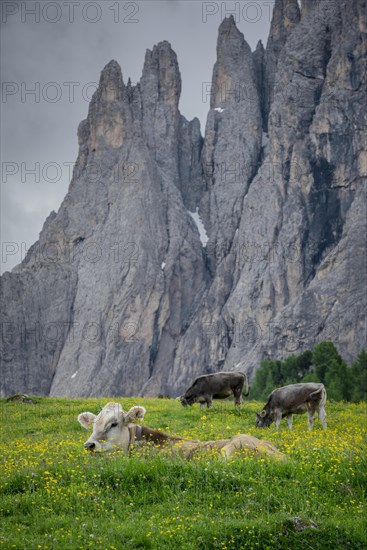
(52, 53)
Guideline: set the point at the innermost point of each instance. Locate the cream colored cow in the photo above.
(113, 428)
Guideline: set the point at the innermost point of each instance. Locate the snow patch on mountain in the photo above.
(199, 224)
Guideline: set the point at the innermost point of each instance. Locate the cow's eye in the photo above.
(113, 425)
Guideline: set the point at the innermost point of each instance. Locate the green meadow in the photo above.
(56, 495)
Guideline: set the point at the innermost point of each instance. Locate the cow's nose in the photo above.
(89, 445)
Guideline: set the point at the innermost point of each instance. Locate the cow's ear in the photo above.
(86, 419)
(135, 413)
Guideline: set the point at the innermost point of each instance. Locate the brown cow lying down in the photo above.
(113, 428)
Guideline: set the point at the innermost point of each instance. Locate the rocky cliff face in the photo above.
(119, 296)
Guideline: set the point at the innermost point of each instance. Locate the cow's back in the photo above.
(293, 395)
(218, 381)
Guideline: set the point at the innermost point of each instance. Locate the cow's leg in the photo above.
(203, 405)
(237, 392)
(290, 421)
(322, 416)
(209, 401)
(277, 418)
(311, 418)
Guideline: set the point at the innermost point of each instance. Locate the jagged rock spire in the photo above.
(106, 122)
(232, 136)
(111, 85)
(160, 87)
(286, 16)
(233, 67)
(161, 79)
(258, 57)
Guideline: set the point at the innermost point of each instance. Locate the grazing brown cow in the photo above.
(113, 428)
(294, 399)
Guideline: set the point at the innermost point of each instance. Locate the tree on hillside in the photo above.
(274, 374)
(322, 364)
(332, 371)
(338, 381)
(323, 355)
(295, 368)
(359, 378)
(263, 382)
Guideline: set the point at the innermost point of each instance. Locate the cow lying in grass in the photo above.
(113, 428)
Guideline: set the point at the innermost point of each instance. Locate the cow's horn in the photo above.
(263, 413)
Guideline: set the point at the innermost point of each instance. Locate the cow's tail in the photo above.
(321, 391)
(323, 399)
(246, 387)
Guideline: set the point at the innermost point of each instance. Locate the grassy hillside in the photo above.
(55, 495)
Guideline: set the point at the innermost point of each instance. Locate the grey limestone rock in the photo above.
(119, 268)
(286, 16)
(302, 280)
(120, 297)
(232, 139)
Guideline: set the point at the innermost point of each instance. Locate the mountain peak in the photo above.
(259, 47)
(162, 49)
(111, 83)
(233, 65)
(286, 15)
(163, 45)
(112, 65)
(111, 71)
(230, 39)
(161, 78)
(228, 24)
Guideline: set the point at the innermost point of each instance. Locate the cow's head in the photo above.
(263, 419)
(110, 427)
(186, 400)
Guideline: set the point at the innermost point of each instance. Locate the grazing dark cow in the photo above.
(294, 399)
(218, 385)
